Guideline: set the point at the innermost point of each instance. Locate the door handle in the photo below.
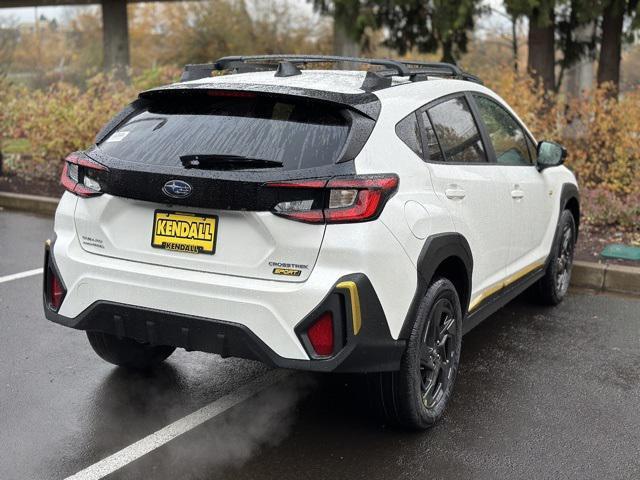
(455, 192)
(516, 193)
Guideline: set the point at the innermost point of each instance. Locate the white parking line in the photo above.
(16, 276)
(156, 440)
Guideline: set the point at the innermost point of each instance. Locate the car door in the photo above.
(529, 194)
(468, 184)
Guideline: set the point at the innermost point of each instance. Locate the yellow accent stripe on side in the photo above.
(487, 292)
(355, 304)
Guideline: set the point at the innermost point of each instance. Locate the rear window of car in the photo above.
(296, 133)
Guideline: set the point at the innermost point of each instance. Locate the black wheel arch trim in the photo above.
(436, 249)
(568, 193)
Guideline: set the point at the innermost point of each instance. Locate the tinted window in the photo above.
(408, 131)
(433, 147)
(298, 134)
(533, 150)
(457, 132)
(507, 137)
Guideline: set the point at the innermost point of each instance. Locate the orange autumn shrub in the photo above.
(63, 117)
(603, 141)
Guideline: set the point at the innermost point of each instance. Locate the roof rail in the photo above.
(285, 66)
(437, 69)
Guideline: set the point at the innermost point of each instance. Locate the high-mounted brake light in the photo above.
(77, 176)
(359, 198)
(231, 93)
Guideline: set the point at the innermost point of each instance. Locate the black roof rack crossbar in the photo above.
(285, 66)
(283, 63)
(436, 69)
(452, 69)
(228, 63)
(432, 72)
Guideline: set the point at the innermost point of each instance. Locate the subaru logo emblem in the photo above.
(177, 189)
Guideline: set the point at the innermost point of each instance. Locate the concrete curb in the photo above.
(606, 277)
(596, 276)
(29, 203)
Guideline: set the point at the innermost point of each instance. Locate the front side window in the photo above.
(457, 132)
(507, 137)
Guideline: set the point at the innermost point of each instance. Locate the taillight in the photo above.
(320, 335)
(78, 176)
(347, 199)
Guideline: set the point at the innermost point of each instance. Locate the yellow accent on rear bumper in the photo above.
(355, 304)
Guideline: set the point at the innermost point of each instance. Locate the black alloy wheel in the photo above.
(417, 395)
(564, 260)
(438, 352)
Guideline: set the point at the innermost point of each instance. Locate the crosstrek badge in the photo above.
(184, 232)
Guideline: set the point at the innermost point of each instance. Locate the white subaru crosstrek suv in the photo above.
(324, 220)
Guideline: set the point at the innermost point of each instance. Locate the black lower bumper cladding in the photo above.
(371, 350)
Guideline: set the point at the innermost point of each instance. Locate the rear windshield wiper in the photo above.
(215, 161)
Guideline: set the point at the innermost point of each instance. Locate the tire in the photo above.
(552, 288)
(126, 352)
(416, 396)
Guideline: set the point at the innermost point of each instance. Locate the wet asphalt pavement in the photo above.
(541, 393)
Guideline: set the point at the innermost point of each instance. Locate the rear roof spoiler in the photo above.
(365, 103)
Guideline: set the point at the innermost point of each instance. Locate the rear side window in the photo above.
(408, 131)
(433, 147)
(282, 132)
(456, 131)
(507, 137)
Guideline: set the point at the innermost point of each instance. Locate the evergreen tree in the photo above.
(614, 13)
(427, 25)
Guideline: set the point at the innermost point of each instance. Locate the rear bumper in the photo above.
(372, 349)
(223, 312)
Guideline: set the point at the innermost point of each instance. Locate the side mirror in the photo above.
(550, 154)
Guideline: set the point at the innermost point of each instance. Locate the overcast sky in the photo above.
(493, 22)
(27, 14)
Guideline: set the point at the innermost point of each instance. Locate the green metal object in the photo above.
(622, 252)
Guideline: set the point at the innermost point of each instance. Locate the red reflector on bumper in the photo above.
(321, 334)
(56, 291)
